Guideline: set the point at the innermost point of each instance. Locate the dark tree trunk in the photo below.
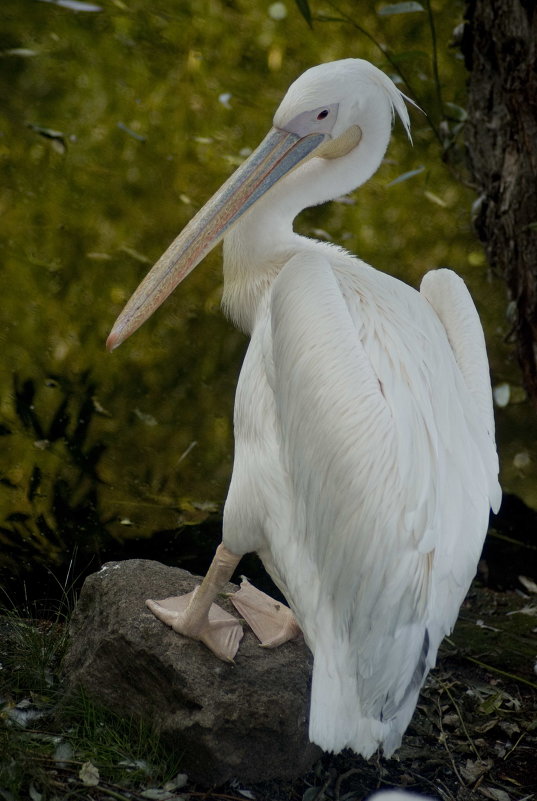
(500, 48)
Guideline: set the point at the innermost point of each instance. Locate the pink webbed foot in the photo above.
(217, 629)
(272, 622)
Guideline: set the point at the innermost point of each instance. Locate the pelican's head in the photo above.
(334, 97)
(327, 113)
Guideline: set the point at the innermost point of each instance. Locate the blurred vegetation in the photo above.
(117, 123)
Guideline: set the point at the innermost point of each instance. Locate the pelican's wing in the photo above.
(377, 429)
(449, 297)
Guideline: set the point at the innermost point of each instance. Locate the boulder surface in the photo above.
(247, 720)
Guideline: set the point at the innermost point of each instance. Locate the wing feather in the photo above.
(380, 436)
(449, 297)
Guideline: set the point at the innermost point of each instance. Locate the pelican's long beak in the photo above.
(278, 154)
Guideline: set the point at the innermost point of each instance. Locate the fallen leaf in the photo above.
(495, 793)
(157, 794)
(525, 610)
(74, 5)
(89, 775)
(34, 793)
(528, 584)
(63, 753)
(485, 727)
(474, 769)
(178, 783)
(432, 198)
(405, 176)
(23, 52)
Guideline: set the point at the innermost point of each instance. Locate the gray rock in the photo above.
(248, 720)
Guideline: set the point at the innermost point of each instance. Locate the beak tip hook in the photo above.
(113, 341)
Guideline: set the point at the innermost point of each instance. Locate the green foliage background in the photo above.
(116, 125)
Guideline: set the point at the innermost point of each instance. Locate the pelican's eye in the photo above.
(317, 120)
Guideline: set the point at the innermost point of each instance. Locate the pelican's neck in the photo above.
(263, 240)
(255, 251)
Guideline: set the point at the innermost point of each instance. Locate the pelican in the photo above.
(365, 463)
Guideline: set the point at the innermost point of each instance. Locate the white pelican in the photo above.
(365, 463)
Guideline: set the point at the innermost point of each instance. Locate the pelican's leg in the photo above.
(272, 622)
(194, 615)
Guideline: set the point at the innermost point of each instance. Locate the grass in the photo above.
(31, 653)
(119, 746)
(45, 744)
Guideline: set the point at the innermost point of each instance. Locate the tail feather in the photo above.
(341, 715)
(336, 717)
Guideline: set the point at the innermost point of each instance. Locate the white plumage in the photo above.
(365, 463)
